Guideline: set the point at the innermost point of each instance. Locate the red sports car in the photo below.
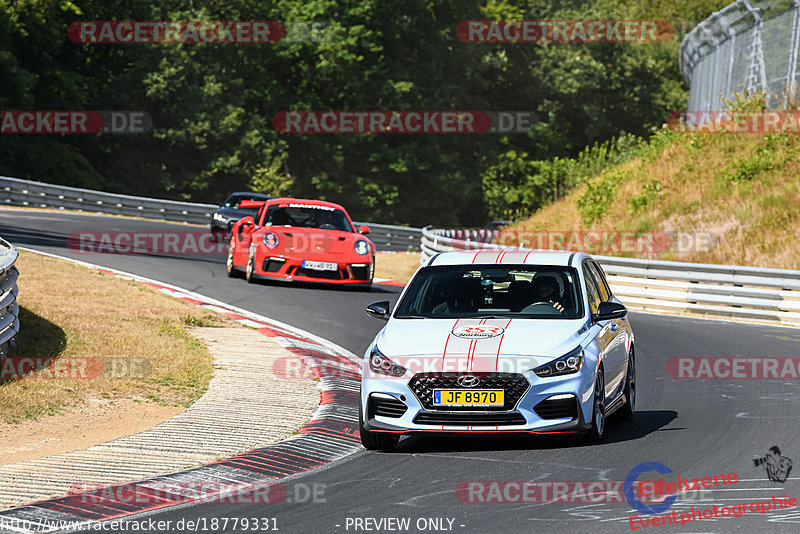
(303, 240)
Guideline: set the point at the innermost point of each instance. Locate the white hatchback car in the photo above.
(499, 341)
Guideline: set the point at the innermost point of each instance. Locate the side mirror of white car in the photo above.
(379, 310)
(609, 310)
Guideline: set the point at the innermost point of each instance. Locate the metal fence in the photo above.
(771, 295)
(9, 309)
(16, 192)
(747, 46)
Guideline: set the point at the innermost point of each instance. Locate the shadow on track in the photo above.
(617, 431)
(374, 288)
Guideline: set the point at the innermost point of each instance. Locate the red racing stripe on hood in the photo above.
(444, 354)
(473, 347)
(499, 345)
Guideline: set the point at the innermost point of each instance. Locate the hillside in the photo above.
(743, 188)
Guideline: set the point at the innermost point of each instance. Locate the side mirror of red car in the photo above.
(363, 229)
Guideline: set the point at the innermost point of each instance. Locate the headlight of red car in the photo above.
(362, 247)
(270, 240)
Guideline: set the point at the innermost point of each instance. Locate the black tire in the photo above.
(232, 272)
(629, 410)
(374, 441)
(251, 267)
(595, 433)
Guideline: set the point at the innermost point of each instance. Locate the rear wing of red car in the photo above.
(252, 203)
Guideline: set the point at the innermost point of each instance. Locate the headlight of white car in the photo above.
(569, 363)
(380, 364)
(362, 247)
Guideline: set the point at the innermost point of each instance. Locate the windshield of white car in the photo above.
(307, 216)
(488, 291)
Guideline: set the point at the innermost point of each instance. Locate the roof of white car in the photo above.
(508, 256)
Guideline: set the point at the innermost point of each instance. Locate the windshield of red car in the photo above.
(307, 216)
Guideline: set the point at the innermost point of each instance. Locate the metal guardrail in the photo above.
(9, 309)
(390, 238)
(668, 286)
(17, 192)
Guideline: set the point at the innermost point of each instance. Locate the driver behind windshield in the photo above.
(307, 217)
(546, 289)
(452, 291)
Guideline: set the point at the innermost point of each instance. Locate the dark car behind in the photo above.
(230, 212)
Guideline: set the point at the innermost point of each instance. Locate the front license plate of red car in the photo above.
(320, 265)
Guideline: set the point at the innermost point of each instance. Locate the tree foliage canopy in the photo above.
(212, 104)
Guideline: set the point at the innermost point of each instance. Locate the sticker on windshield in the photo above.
(309, 206)
(478, 331)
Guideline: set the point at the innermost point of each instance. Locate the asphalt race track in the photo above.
(697, 428)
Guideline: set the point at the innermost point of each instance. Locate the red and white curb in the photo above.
(332, 432)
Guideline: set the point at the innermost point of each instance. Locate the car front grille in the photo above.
(360, 272)
(272, 266)
(557, 408)
(326, 275)
(514, 386)
(470, 419)
(385, 407)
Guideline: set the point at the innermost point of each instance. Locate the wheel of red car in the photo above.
(251, 267)
(229, 262)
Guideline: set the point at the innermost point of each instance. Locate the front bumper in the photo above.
(533, 413)
(290, 268)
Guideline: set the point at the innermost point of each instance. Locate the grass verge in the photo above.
(70, 313)
(742, 188)
(396, 265)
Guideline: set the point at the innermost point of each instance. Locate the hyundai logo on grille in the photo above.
(468, 381)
